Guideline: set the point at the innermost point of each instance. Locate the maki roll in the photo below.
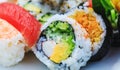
(38, 9)
(106, 9)
(63, 44)
(109, 10)
(18, 30)
(116, 36)
(95, 27)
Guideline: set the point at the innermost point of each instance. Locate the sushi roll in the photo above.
(94, 25)
(116, 36)
(67, 5)
(63, 44)
(38, 9)
(109, 10)
(16, 33)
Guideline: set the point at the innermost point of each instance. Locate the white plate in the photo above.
(110, 62)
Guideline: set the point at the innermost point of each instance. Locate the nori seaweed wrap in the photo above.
(109, 12)
(63, 44)
(101, 47)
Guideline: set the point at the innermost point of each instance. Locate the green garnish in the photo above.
(45, 17)
(106, 8)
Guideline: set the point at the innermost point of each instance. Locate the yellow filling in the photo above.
(89, 22)
(61, 52)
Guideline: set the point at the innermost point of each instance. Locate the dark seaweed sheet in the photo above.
(106, 44)
(98, 8)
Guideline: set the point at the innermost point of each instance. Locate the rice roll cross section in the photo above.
(107, 8)
(38, 9)
(63, 44)
(93, 24)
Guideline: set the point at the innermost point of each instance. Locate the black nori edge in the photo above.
(118, 39)
(106, 44)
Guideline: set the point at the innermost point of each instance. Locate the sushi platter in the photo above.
(59, 34)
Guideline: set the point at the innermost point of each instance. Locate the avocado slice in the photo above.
(45, 17)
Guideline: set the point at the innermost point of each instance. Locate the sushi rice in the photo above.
(96, 44)
(80, 54)
(12, 44)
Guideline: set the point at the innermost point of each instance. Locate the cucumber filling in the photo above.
(45, 17)
(58, 42)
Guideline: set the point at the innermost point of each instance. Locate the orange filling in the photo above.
(89, 22)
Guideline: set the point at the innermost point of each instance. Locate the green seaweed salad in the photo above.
(106, 8)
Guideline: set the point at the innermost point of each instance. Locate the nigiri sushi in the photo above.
(12, 44)
(18, 30)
